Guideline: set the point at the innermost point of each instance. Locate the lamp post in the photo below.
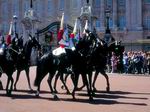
(107, 36)
(15, 23)
(31, 4)
(107, 12)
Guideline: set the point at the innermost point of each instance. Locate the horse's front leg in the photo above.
(7, 85)
(64, 83)
(94, 80)
(17, 78)
(28, 78)
(51, 75)
(75, 82)
(107, 80)
(87, 86)
(90, 82)
(55, 83)
(12, 82)
(38, 91)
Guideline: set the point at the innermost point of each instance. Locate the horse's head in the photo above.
(34, 42)
(86, 43)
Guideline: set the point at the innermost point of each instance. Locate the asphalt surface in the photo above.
(129, 93)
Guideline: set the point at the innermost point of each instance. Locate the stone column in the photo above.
(139, 15)
(128, 9)
(102, 15)
(114, 14)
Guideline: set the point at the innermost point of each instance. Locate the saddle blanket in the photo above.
(58, 51)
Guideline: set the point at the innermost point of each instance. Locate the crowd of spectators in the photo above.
(133, 62)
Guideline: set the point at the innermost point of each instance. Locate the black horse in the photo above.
(23, 58)
(47, 64)
(7, 67)
(101, 55)
(98, 61)
(79, 60)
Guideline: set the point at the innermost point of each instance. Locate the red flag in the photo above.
(72, 35)
(60, 34)
(8, 39)
(61, 30)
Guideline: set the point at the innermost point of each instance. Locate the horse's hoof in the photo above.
(73, 97)
(79, 89)
(94, 89)
(68, 92)
(108, 89)
(8, 92)
(93, 93)
(56, 97)
(55, 91)
(15, 89)
(62, 87)
(37, 94)
(91, 98)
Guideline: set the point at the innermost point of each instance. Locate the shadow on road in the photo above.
(100, 97)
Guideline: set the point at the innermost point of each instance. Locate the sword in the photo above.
(14, 50)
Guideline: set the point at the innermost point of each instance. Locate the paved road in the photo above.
(128, 94)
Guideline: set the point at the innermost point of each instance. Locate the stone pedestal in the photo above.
(30, 22)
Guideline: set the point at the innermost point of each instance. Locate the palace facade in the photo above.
(129, 19)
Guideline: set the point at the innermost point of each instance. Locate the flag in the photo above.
(86, 26)
(72, 36)
(75, 26)
(65, 38)
(8, 38)
(11, 28)
(77, 37)
(71, 43)
(65, 34)
(61, 30)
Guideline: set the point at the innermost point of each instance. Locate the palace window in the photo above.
(15, 7)
(121, 22)
(109, 3)
(74, 4)
(121, 3)
(98, 24)
(61, 4)
(147, 23)
(49, 7)
(147, 1)
(39, 7)
(5, 27)
(97, 3)
(5, 11)
(110, 22)
(26, 5)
